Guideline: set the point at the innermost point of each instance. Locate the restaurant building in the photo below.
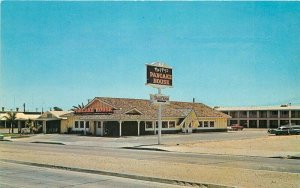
(104, 116)
(263, 116)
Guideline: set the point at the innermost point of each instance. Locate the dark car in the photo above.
(284, 130)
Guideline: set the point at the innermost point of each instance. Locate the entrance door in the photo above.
(99, 128)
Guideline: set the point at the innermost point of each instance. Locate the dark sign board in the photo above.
(160, 76)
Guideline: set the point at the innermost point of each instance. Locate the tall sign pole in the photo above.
(159, 75)
(159, 119)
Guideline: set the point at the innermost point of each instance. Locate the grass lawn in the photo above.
(10, 134)
(13, 135)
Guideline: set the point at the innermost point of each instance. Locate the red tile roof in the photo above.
(149, 110)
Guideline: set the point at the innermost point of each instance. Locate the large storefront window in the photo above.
(165, 124)
(212, 124)
(87, 124)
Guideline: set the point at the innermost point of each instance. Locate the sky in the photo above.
(222, 53)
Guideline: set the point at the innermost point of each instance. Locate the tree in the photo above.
(11, 118)
(29, 124)
(55, 108)
(78, 107)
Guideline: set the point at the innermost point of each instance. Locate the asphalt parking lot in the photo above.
(133, 141)
(201, 157)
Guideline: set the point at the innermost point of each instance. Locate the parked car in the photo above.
(285, 130)
(296, 127)
(236, 127)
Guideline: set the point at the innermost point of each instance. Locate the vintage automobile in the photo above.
(235, 127)
(285, 130)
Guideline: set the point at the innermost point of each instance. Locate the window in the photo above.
(87, 124)
(284, 114)
(156, 124)
(171, 124)
(149, 125)
(81, 124)
(205, 123)
(233, 114)
(165, 124)
(262, 114)
(273, 113)
(253, 114)
(76, 124)
(200, 124)
(211, 123)
(243, 114)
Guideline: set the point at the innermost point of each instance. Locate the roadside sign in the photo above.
(159, 99)
(159, 75)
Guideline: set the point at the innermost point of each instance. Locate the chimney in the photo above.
(17, 109)
(193, 100)
(3, 109)
(24, 107)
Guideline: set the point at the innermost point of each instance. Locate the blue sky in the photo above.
(223, 53)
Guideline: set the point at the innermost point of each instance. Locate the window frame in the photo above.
(207, 125)
(211, 122)
(200, 124)
(151, 128)
(166, 123)
(173, 127)
(76, 124)
(81, 124)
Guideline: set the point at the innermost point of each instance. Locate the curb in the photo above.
(129, 176)
(141, 148)
(40, 142)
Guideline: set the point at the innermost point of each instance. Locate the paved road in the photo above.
(17, 176)
(253, 163)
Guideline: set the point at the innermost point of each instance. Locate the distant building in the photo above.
(21, 118)
(105, 116)
(51, 121)
(262, 116)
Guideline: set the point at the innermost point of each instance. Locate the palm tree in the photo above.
(11, 118)
(78, 107)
